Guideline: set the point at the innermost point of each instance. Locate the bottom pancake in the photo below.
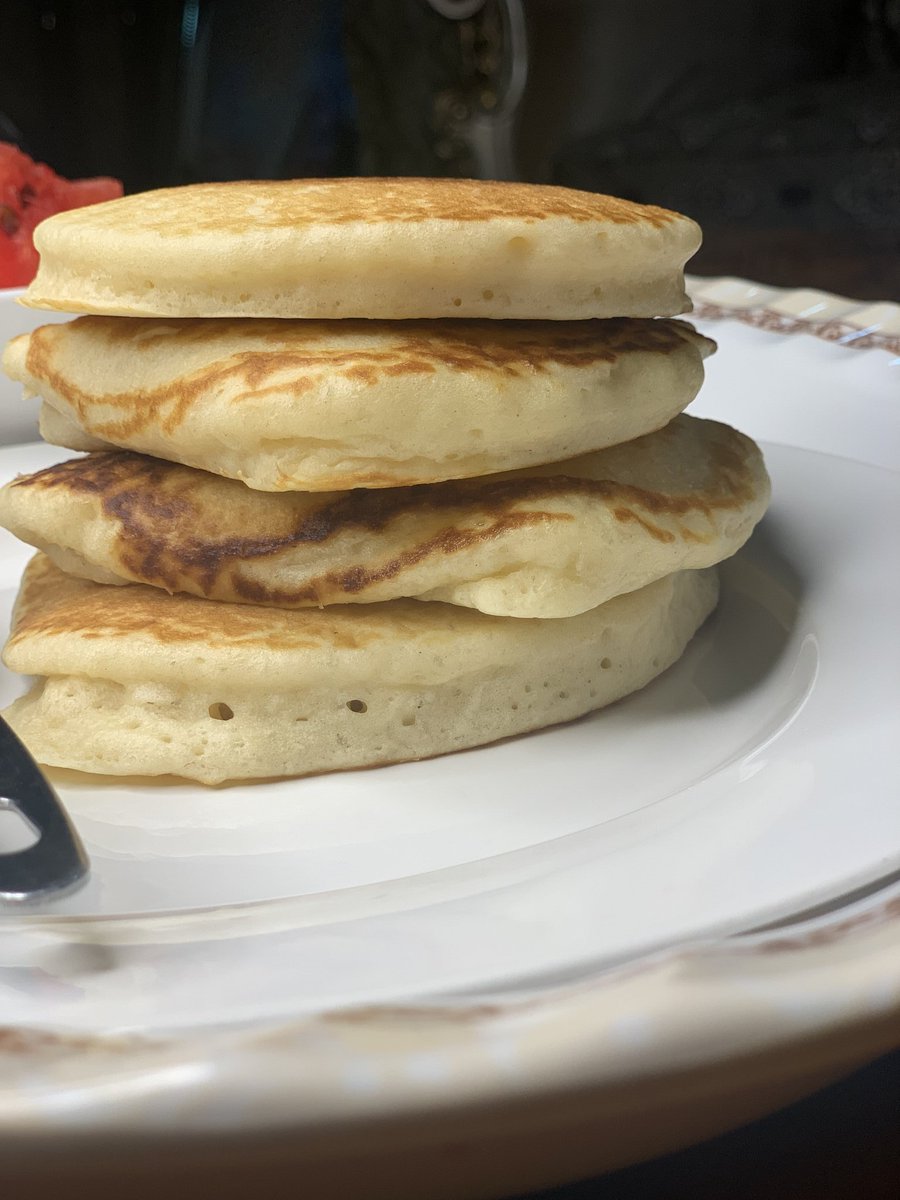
(136, 682)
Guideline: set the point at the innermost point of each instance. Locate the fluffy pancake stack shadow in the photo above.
(376, 470)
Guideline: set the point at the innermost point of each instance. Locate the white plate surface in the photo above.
(755, 781)
(18, 417)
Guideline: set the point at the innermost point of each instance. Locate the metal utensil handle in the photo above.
(57, 861)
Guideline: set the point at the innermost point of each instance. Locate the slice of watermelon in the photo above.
(29, 192)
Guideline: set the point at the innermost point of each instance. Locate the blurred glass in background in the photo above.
(775, 123)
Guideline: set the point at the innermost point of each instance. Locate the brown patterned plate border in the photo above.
(859, 325)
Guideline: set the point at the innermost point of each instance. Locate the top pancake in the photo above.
(387, 248)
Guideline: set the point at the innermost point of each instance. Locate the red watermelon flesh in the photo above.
(29, 192)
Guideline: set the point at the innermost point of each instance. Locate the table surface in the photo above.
(841, 1144)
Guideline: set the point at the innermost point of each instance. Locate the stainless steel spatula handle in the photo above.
(57, 861)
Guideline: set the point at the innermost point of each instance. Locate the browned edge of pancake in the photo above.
(502, 349)
(165, 535)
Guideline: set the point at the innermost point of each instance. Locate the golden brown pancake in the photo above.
(550, 541)
(135, 682)
(331, 405)
(386, 248)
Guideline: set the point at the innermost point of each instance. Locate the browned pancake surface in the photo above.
(307, 351)
(291, 204)
(53, 603)
(687, 495)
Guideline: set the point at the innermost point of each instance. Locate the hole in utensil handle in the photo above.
(16, 831)
(54, 861)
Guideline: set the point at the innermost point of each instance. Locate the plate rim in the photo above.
(854, 324)
(846, 964)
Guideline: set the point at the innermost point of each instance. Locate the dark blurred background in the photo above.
(775, 123)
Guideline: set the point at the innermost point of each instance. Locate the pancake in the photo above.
(551, 541)
(139, 683)
(386, 248)
(322, 406)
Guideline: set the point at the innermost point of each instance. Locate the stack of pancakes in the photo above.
(312, 407)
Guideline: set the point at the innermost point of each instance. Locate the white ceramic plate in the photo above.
(546, 924)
